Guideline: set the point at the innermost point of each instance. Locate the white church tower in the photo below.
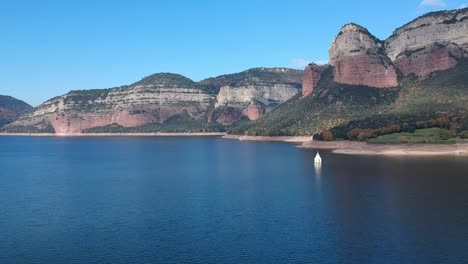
(318, 159)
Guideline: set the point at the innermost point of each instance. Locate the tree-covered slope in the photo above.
(11, 109)
(255, 76)
(341, 108)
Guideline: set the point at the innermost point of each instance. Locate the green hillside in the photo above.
(441, 100)
(12, 108)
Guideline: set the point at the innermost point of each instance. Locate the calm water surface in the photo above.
(208, 200)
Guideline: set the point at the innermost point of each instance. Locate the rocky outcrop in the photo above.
(311, 77)
(255, 92)
(226, 115)
(423, 62)
(254, 110)
(269, 95)
(11, 109)
(373, 71)
(433, 42)
(436, 27)
(358, 58)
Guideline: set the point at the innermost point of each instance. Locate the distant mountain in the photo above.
(417, 77)
(11, 109)
(165, 102)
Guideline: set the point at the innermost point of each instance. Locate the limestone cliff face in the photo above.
(266, 94)
(311, 77)
(358, 58)
(266, 97)
(158, 98)
(437, 27)
(135, 105)
(433, 42)
(253, 92)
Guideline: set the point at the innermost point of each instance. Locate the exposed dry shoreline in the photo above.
(360, 148)
(117, 135)
(269, 139)
(338, 147)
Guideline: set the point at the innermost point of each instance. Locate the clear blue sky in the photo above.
(50, 47)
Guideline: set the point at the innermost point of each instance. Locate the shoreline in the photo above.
(361, 148)
(287, 139)
(337, 147)
(157, 134)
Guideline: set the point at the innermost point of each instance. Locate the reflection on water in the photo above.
(318, 169)
(207, 200)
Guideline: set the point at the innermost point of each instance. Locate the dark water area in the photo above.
(209, 200)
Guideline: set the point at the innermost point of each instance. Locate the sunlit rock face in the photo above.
(159, 97)
(433, 42)
(438, 57)
(266, 96)
(254, 92)
(135, 105)
(358, 58)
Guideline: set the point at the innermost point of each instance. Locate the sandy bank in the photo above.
(338, 147)
(118, 135)
(360, 148)
(269, 139)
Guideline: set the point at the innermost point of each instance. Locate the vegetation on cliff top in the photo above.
(255, 76)
(434, 14)
(167, 79)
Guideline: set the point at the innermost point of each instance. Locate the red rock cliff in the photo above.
(431, 59)
(433, 42)
(312, 74)
(358, 59)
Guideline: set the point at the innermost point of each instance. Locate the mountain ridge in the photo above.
(158, 97)
(366, 77)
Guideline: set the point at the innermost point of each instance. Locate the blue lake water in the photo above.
(208, 200)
